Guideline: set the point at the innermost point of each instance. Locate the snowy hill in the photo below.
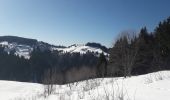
(20, 50)
(82, 49)
(153, 86)
(23, 47)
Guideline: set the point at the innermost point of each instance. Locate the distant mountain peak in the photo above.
(97, 45)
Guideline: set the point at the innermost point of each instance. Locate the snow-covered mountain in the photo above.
(23, 47)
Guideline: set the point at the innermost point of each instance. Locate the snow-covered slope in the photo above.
(154, 86)
(19, 50)
(82, 49)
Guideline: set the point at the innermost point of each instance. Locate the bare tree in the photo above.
(47, 81)
(51, 77)
(129, 51)
(101, 70)
(124, 52)
(82, 73)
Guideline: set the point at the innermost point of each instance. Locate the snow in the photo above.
(10, 90)
(23, 51)
(20, 50)
(153, 86)
(4, 43)
(82, 49)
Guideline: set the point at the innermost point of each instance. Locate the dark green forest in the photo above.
(141, 53)
(32, 70)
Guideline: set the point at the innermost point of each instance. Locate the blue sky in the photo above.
(66, 22)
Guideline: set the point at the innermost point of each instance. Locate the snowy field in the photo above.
(154, 86)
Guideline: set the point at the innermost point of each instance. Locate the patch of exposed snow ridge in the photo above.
(20, 50)
(82, 49)
(4, 43)
(153, 86)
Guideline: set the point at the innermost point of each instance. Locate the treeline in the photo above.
(18, 40)
(17, 68)
(13, 67)
(141, 53)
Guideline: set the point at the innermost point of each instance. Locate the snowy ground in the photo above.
(154, 86)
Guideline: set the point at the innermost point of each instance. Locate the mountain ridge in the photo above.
(24, 46)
